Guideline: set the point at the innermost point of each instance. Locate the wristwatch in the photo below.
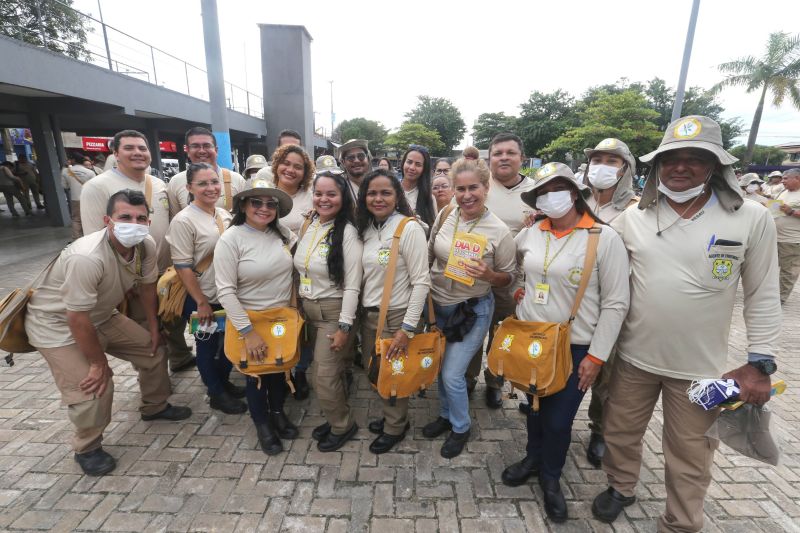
(345, 327)
(408, 331)
(765, 366)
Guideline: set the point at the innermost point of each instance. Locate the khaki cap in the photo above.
(750, 177)
(255, 161)
(612, 146)
(354, 143)
(327, 163)
(261, 187)
(548, 173)
(775, 174)
(695, 131)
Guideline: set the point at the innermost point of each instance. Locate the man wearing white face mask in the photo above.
(609, 172)
(751, 187)
(73, 321)
(690, 241)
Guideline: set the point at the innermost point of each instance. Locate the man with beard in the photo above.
(356, 160)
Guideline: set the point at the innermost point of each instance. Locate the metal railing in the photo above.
(108, 47)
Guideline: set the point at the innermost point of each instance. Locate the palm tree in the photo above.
(778, 70)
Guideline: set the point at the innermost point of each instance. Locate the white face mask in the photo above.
(753, 187)
(681, 197)
(555, 204)
(602, 176)
(129, 234)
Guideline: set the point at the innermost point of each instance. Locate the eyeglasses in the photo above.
(257, 203)
(440, 187)
(417, 148)
(204, 184)
(442, 171)
(361, 156)
(204, 146)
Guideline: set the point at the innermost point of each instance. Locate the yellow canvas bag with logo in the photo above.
(535, 356)
(404, 376)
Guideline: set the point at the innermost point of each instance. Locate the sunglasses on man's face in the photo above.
(352, 157)
(258, 203)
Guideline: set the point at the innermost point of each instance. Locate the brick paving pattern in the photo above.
(209, 474)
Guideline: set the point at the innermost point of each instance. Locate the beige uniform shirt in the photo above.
(253, 271)
(88, 276)
(74, 177)
(412, 279)
(94, 199)
(507, 204)
(179, 195)
(500, 256)
(683, 286)
(412, 196)
(756, 197)
(192, 235)
(774, 190)
(789, 227)
(607, 212)
(313, 249)
(607, 296)
(301, 205)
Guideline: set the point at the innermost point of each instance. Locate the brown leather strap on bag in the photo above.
(388, 281)
(205, 262)
(226, 180)
(148, 191)
(588, 265)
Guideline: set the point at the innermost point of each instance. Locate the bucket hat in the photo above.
(327, 164)
(548, 173)
(261, 187)
(624, 192)
(255, 161)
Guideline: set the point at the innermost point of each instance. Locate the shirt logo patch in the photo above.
(574, 275)
(324, 250)
(722, 269)
(397, 367)
(607, 143)
(383, 257)
(688, 129)
(165, 202)
(278, 330)
(506, 344)
(535, 349)
(426, 362)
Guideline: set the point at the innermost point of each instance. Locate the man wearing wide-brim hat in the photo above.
(253, 164)
(357, 162)
(774, 185)
(691, 239)
(751, 185)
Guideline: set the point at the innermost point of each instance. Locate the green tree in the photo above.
(410, 133)
(362, 128)
(778, 71)
(625, 116)
(441, 115)
(64, 29)
(762, 155)
(543, 117)
(490, 124)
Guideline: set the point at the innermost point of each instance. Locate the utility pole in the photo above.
(216, 83)
(333, 115)
(105, 35)
(687, 54)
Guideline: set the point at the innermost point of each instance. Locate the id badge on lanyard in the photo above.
(541, 293)
(305, 287)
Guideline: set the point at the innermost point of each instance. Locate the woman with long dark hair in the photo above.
(253, 272)
(382, 206)
(328, 261)
(415, 166)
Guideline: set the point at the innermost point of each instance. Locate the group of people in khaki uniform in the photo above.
(665, 263)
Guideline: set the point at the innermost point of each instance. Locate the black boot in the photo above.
(227, 404)
(436, 428)
(386, 442)
(554, 503)
(333, 442)
(283, 426)
(234, 390)
(376, 426)
(596, 449)
(96, 462)
(494, 398)
(300, 381)
(321, 431)
(609, 503)
(454, 444)
(268, 439)
(518, 473)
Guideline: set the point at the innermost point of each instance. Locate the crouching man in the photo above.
(73, 321)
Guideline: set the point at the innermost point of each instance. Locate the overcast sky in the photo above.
(483, 56)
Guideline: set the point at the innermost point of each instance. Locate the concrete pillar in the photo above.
(286, 73)
(60, 151)
(154, 141)
(50, 170)
(216, 84)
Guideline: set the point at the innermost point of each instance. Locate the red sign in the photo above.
(167, 146)
(96, 144)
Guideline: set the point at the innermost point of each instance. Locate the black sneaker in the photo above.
(171, 412)
(436, 428)
(96, 462)
(268, 439)
(608, 504)
(518, 473)
(454, 444)
(385, 442)
(227, 404)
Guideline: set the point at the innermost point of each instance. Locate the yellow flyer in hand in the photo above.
(774, 207)
(466, 247)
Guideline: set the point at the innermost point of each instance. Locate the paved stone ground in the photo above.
(208, 474)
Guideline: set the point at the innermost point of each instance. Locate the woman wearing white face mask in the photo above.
(550, 259)
(609, 172)
(751, 187)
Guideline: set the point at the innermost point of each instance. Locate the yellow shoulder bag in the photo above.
(535, 356)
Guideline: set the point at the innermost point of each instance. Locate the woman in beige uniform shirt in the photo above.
(192, 236)
(253, 270)
(381, 207)
(293, 171)
(328, 261)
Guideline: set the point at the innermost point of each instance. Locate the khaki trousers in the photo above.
(688, 453)
(75, 213)
(395, 416)
(327, 370)
(178, 353)
(504, 306)
(125, 339)
(600, 396)
(789, 263)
